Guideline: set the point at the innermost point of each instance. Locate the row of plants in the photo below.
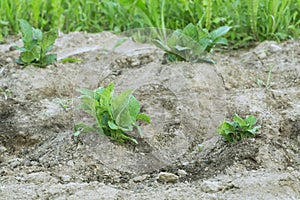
(117, 114)
(251, 20)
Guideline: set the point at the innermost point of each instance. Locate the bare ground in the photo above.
(40, 158)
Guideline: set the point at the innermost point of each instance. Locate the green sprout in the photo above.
(71, 60)
(238, 129)
(114, 114)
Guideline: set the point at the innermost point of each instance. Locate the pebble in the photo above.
(211, 187)
(8, 60)
(290, 168)
(274, 48)
(140, 178)
(182, 173)
(66, 178)
(70, 163)
(167, 177)
(2, 149)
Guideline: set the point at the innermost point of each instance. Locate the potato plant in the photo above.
(192, 43)
(36, 46)
(238, 129)
(115, 114)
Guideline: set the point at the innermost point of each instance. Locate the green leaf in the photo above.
(27, 35)
(27, 57)
(120, 109)
(86, 92)
(37, 35)
(181, 48)
(48, 40)
(134, 107)
(22, 49)
(82, 128)
(191, 31)
(222, 41)
(239, 120)
(36, 52)
(48, 59)
(205, 42)
(219, 32)
(253, 130)
(71, 60)
(161, 45)
(250, 120)
(106, 95)
(112, 125)
(143, 117)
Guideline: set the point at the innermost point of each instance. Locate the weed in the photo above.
(200, 148)
(71, 60)
(266, 84)
(250, 20)
(238, 129)
(5, 92)
(253, 6)
(115, 114)
(4, 30)
(65, 104)
(36, 46)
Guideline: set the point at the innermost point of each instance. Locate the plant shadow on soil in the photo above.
(186, 102)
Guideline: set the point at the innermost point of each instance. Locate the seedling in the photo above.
(266, 84)
(5, 92)
(200, 148)
(36, 46)
(114, 114)
(238, 129)
(71, 60)
(65, 104)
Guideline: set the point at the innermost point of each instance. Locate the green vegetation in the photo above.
(252, 20)
(5, 92)
(267, 83)
(71, 60)
(36, 46)
(191, 43)
(238, 129)
(115, 114)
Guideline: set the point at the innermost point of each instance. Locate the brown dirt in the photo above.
(40, 158)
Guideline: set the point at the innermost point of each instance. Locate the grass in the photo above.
(256, 20)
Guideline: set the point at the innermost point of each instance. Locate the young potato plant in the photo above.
(192, 43)
(238, 129)
(36, 46)
(114, 114)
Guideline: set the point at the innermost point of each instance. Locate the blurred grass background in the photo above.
(251, 20)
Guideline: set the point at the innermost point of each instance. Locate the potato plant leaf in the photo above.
(27, 35)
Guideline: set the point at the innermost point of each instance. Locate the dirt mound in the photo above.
(41, 159)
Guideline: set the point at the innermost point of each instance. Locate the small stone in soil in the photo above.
(182, 173)
(211, 187)
(167, 177)
(140, 178)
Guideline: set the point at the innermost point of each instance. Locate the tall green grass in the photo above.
(251, 20)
